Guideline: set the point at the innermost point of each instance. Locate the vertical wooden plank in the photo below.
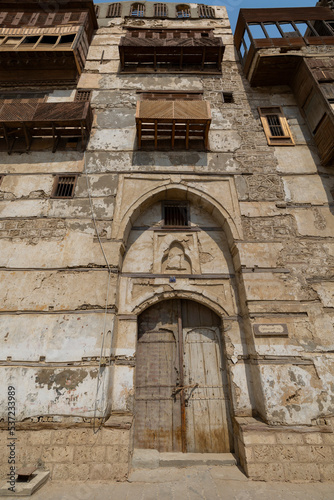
(182, 397)
(207, 410)
(157, 412)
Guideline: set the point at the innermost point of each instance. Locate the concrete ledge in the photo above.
(26, 489)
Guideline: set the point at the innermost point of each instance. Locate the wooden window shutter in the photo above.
(67, 17)
(3, 16)
(17, 18)
(275, 126)
(49, 19)
(33, 20)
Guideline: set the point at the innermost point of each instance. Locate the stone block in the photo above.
(107, 472)
(115, 436)
(268, 453)
(328, 438)
(265, 438)
(86, 454)
(301, 472)
(118, 454)
(326, 472)
(266, 472)
(289, 438)
(313, 438)
(40, 437)
(58, 454)
(314, 454)
(84, 436)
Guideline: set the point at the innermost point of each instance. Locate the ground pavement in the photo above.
(189, 483)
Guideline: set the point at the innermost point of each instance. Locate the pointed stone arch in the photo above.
(226, 220)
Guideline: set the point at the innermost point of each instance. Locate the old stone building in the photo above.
(166, 229)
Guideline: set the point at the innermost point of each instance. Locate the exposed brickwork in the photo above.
(33, 229)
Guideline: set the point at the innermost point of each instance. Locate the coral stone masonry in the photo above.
(166, 237)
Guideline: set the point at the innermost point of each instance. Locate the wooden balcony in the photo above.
(313, 89)
(19, 121)
(270, 41)
(151, 50)
(173, 124)
(39, 47)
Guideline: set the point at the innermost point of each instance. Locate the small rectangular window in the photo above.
(228, 97)
(83, 95)
(175, 213)
(1, 177)
(64, 186)
(97, 10)
(276, 127)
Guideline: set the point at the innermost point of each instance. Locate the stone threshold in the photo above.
(152, 459)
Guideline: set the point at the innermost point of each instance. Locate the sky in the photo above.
(233, 6)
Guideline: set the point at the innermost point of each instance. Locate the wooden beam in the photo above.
(187, 135)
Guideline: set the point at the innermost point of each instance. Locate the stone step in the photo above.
(152, 459)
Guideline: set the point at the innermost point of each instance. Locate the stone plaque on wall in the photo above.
(270, 330)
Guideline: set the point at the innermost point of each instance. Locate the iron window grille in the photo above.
(160, 10)
(137, 10)
(114, 10)
(182, 11)
(275, 126)
(64, 186)
(83, 95)
(206, 12)
(175, 213)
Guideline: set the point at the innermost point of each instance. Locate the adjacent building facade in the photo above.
(166, 229)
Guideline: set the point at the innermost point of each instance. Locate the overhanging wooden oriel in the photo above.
(44, 47)
(44, 120)
(287, 30)
(150, 50)
(313, 89)
(169, 124)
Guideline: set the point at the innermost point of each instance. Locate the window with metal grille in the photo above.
(97, 10)
(175, 213)
(114, 10)
(204, 11)
(275, 127)
(160, 10)
(182, 10)
(64, 186)
(83, 95)
(137, 10)
(228, 97)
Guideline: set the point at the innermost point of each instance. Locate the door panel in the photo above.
(207, 407)
(179, 345)
(158, 414)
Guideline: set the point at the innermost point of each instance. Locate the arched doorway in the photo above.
(181, 390)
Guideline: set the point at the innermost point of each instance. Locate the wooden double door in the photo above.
(181, 400)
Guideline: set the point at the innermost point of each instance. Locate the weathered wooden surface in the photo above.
(181, 383)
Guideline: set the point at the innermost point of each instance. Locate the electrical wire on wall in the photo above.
(100, 384)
